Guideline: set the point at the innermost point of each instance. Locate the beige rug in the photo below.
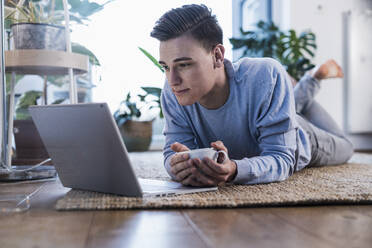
(343, 184)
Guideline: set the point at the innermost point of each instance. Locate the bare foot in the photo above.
(329, 69)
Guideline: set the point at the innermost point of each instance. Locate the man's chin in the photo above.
(185, 102)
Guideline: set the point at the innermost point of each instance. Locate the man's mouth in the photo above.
(180, 92)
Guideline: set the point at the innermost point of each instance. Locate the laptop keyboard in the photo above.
(154, 185)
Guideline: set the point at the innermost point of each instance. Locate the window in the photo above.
(246, 14)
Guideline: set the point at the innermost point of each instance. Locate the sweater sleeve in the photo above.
(177, 127)
(275, 128)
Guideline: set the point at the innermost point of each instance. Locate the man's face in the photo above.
(189, 69)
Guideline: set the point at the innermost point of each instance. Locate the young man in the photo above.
(247, 109)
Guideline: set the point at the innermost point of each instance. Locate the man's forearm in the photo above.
(262, 169)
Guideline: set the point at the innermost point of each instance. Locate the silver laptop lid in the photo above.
(85, 145)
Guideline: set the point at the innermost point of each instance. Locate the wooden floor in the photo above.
(42, 226)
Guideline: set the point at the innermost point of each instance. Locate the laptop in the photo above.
(88, 152)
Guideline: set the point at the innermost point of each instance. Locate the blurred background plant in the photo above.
(49, 12)
(143, 104)
(139, 107)
(52, 12)
(136, 114)
(293, 51)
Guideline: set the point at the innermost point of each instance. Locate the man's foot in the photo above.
(329, 69)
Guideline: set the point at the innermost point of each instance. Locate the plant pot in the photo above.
(28, 143)
(137, 135)
(38, 36)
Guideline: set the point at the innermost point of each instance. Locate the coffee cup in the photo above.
(206, 153)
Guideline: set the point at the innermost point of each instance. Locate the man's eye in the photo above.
(183, 65)
(165, 67)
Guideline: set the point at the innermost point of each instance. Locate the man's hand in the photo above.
(195, 172)
(211, 173)
(182, 166)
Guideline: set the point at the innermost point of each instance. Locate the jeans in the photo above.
(329, 146)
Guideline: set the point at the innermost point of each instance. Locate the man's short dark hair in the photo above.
(196, 20)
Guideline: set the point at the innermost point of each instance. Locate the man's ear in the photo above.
(219, 55)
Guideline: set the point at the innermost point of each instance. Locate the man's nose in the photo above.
(174, 78)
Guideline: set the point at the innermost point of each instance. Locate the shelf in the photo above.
(45, 62)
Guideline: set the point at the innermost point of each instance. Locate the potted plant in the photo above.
(293, 51)
(34, 29)
(36, 24)
(133, 116)
(134, 126)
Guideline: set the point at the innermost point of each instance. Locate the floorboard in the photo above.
(252, 227)
(149, 228)
(312, 226)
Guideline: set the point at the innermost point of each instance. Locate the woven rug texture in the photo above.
(349, 183)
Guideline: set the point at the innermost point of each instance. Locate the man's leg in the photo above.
(305, 91)
(309, 85)
(329, 144)
(326, 148)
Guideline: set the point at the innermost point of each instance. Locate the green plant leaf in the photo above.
(237, 43)
(29, 98)
(37, 11)
(292, 50)
(121, 118)
(247, 32)
(142, 97)
(155, 91)
(58, 101)
(86, 8)
(308, 51)
(77, 48)
(148, 55)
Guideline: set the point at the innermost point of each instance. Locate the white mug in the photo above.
(205, 152)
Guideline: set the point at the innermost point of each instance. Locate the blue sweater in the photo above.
(257, 123)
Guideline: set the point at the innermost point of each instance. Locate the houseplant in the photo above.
(38, 25)
(293, 51)
(134, 119)
(134, 116)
